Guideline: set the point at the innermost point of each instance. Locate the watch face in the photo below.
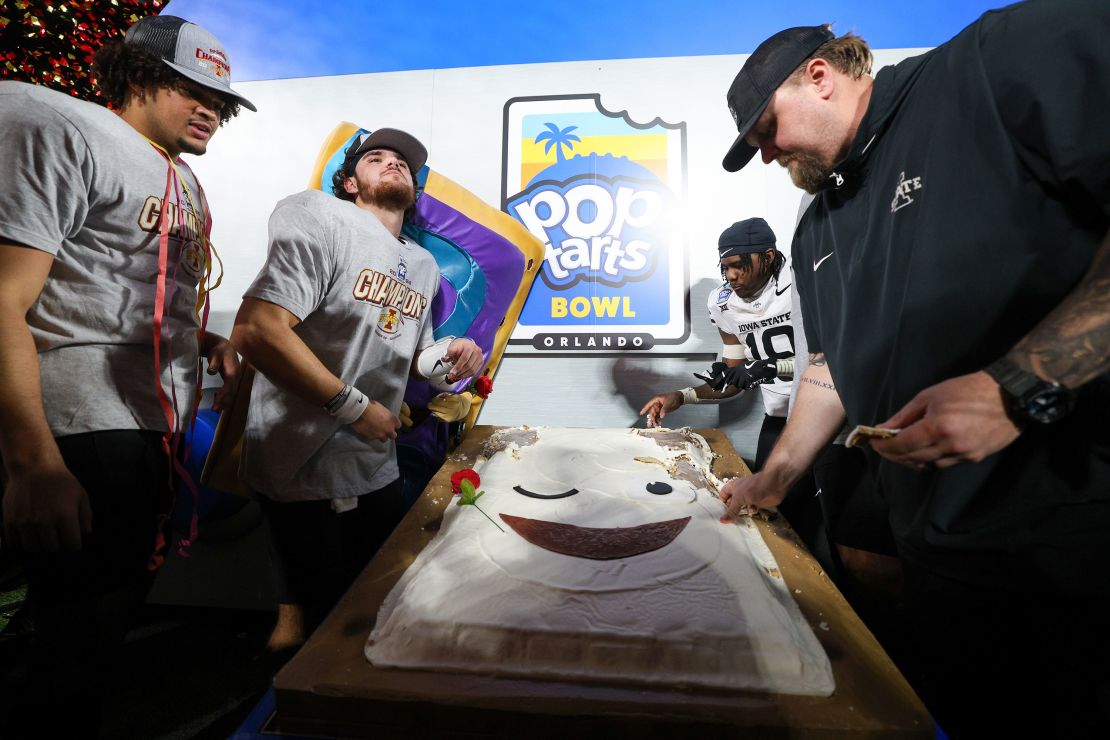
(1048, 404)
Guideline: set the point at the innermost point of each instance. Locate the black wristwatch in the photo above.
(1029, 397)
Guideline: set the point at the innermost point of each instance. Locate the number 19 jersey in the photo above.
(762, 324)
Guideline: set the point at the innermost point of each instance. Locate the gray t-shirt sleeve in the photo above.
(47, 168)
(427, 339)
(300, 262)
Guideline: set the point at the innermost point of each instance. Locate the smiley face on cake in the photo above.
(603, 558)
(623, 512)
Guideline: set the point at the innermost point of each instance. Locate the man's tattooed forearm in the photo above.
(1072, 344)
(818, 383)
(817, 359)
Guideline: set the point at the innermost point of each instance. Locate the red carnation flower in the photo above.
(483, 386)
(464, 474)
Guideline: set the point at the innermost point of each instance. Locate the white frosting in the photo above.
(709, 608)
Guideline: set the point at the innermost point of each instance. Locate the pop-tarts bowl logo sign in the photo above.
(600, 192)
(603, 228)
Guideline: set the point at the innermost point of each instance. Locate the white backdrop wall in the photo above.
(262, 157)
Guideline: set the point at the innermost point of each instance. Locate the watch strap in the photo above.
(1014, 381)
(1028, 397)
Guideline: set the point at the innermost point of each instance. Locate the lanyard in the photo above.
(175, 185)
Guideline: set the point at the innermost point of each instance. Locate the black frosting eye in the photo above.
(658, 488)
(531, 494)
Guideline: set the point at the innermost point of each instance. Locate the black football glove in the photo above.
(744, 377)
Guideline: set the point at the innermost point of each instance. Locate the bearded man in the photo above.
(992, 384)
(335, 322)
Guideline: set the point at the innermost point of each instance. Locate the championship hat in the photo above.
(187, 49)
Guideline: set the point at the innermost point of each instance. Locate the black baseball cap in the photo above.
(766, 69)
(745, 237)
(408, 146)
(188, 49)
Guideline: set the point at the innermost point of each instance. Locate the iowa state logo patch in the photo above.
(389, 322)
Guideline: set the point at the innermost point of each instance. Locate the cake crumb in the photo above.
(683, 469)
(506, 438)
(670, 439)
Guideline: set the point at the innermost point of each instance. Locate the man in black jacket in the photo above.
(954, 272)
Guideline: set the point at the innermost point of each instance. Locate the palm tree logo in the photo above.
(558, 138)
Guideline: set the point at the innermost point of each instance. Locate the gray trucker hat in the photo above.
(408, 146)
(188, 49)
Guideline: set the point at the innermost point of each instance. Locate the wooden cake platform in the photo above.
(329, 688)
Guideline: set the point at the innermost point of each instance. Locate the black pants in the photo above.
(1000, 664)
(318, 553)
(855, 511)
(769, 434)
(82, 603)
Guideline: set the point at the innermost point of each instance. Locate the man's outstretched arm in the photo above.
(814, 421)
(659, 406)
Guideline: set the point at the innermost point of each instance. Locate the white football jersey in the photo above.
(762, 324)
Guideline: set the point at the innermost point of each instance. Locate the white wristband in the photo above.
(734, 352)
(352, 407)
(689, 395)
(784, 368)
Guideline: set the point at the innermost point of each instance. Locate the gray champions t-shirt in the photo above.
(82, 185)
(364, 301)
